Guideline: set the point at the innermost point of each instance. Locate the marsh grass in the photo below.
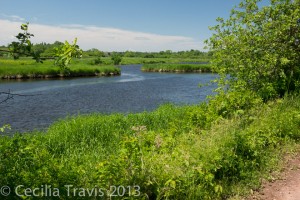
(176, 68)
(26, 68)
(136, 60)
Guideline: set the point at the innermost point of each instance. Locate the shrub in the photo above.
(259, 48)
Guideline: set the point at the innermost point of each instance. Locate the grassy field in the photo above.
(27, 68)
(209, 151)
(176, 68)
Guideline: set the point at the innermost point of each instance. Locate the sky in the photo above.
(115, 25)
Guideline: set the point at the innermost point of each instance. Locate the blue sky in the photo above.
(141, 25)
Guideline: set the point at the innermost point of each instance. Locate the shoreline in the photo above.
(177, 68)
(50, 76)
(177, 71)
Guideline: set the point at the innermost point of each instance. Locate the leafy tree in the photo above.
(23, 46)
(129, 54)
(116, 58)
(64, 51)
(259, 48)
(94, 52)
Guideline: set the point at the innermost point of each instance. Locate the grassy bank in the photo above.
(129, 60)
(207, 151)
(176, 68)
(140, 60)
(26, 68)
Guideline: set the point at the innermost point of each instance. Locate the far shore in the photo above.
(50, 76)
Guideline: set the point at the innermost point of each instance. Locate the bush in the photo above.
(259, 48)
(116, 59)
(97, 61)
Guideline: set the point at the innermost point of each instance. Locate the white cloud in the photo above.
(105, 39)
(13, 17)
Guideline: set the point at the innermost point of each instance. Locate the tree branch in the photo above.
(27, 54)
(10, 95)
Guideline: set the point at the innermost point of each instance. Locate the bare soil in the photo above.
(287, 187)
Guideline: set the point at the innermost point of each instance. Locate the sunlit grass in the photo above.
(168, 153)
(128, 60)
(176, 67)
(26, 68)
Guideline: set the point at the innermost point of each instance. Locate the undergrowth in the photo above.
(209, 151)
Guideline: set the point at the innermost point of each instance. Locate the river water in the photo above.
(133, 91)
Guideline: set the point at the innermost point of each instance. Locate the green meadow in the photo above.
(26, 68)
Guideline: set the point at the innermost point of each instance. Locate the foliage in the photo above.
(47, 50)
(191, 54)
(116, 59)
(66, 53)
(3, 128)
(164, 154)
(97, 61)
(208, 151)
(24, 45)
(177, 60)
(259, 47)
(93, 53)
(176, 67)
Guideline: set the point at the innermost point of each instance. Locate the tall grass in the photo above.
(191, 152)
(140, 60)
(176, 67)
(129, 60)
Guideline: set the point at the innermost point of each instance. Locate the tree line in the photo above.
(49, 50)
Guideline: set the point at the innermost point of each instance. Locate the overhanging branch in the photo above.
(8, 95)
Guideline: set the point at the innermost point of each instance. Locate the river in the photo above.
(133, 91)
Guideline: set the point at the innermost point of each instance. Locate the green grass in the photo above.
(138, 60)
(209, 151)
(176, 68)
(128, 60)
(26, 68)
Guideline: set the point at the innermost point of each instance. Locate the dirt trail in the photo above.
(286, 188)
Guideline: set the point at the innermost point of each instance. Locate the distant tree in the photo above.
(149, 55)
(116, 58)
(129, 54)
(94, 53)
(64, 52)
(40, 48)
(23, 46)
(259, 47)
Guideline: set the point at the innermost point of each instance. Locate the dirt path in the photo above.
(285, 188)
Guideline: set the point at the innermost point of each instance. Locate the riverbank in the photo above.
(211, 150)
(178, 68)
(26, 68)
(137, 60)
(29, 69)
